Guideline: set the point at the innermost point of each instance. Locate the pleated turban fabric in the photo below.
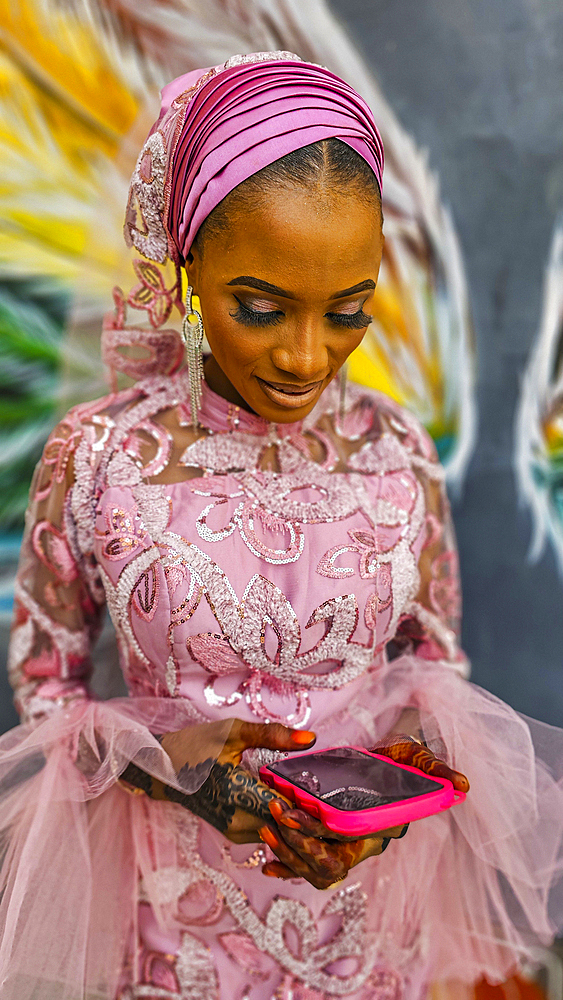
(221, 125)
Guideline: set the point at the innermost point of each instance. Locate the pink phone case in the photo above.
(365, 821)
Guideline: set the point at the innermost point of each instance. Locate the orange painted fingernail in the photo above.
(277, 812)
(302, 737)
(288, 821)
(268, 837)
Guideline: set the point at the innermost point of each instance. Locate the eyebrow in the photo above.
(362, 286)
(265, 286)
(262, 286)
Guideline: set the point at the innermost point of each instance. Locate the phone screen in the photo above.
(351, 780)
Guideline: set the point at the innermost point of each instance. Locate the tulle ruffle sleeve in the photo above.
(70, 832)
(483, 880)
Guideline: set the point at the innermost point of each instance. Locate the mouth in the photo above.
(288, 395)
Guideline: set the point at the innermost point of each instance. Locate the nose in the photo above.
(304, 356)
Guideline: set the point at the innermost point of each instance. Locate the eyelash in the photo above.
(353, 321)
(251, 317)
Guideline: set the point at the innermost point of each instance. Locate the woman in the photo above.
(278, 562)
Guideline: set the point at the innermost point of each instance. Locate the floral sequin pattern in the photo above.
(58, 451)
(258, 943)
(52, 549)
(258, 650)
(383, 552)
(284, 948)
(242, 640)
(246, 513)
(188, 975)
(124, 533)
(144, 228)
(384, 984)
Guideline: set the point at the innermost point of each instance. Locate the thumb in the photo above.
(274, 736)
(408, 751)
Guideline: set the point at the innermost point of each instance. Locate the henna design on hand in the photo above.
(226, 789)
(408, 751)
(320, 862)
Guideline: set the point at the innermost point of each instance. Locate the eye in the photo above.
(253, 317)
(353, 321)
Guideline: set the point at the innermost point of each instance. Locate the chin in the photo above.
(293, 417)
(279, 415)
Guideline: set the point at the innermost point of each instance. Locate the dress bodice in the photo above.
(248, 567)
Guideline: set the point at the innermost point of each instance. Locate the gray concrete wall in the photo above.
(480, 84)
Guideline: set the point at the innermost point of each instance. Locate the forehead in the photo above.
(307, 241)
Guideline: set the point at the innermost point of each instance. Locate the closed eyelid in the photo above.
(266, 305)
(349, 308)
(259, 305)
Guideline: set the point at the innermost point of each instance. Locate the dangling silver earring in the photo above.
(192, 335)
(342, 380)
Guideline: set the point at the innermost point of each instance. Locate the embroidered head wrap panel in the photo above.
(219, 126)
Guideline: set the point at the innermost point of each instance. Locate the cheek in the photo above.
(231, 344)
(346, 344)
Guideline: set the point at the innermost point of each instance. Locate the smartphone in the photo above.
(355, 792)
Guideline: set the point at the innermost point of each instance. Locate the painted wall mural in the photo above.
(539, 427)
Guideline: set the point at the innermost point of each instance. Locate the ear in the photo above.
(193, 267)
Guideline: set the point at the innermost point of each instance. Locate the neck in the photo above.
(219, 383)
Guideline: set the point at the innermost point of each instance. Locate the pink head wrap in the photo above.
(219, 126)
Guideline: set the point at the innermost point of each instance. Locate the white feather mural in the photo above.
(539, 425)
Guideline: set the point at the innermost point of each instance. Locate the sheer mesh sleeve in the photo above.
(60, 599)
(58, 606)
(430, 626)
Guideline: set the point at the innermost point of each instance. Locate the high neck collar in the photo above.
(219, 415)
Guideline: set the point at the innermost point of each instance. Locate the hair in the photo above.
(330, 164)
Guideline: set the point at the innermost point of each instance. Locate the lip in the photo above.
(289, 396)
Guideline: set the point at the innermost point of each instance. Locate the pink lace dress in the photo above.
(305, 573)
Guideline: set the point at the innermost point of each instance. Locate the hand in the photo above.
(304, 851)
(230, 799)
(307, 849)
(406, 750)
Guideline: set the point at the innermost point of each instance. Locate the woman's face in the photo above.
(286, 292)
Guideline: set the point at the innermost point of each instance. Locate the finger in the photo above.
(272, 736)
(288, 858)
(417, 755)
(394, 832)
(298, 819)
(330, 860)
(338, 856)
(441, 770)
(315, 850)
(275, 869)
(322, 874)
(280, 814)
